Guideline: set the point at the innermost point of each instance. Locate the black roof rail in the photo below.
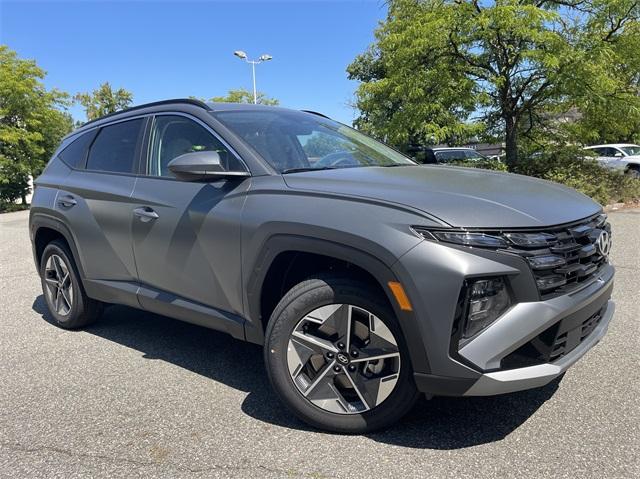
(316, 113)
(188, 101)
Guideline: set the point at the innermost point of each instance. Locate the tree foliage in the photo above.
(31, 123)
(319, 145)
(241, 95)
(104, 100)
(444, 70)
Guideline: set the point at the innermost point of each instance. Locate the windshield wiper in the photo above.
(307, 168)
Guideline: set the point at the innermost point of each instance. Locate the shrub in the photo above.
(6, 207)
(572, 167)
(494, 165)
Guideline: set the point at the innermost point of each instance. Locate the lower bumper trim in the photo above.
(512, 380)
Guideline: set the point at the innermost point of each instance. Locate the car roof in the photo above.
(178, 103)
(452, 148)
(610, 145)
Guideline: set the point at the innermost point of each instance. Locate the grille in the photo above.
(577, 256)
(553, 343)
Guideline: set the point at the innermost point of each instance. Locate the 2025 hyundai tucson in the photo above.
(367, 278)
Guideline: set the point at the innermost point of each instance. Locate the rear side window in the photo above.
(76, 152)
(114, 149)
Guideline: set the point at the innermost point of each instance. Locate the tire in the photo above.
(57, 261)
(634, 172)
(373, 407)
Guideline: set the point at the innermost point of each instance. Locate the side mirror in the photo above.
(201, 165)
(617, 154)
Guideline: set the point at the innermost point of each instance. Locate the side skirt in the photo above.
(167, 304)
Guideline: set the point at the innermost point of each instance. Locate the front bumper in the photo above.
(519, 379)
(478, 369)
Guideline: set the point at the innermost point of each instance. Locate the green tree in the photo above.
(442, 70)
(104, 100)
(609, 103)
(242, 95)
(31, 124)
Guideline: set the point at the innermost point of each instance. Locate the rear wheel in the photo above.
(336, 356)
(62, 288)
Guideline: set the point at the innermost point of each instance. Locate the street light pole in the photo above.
(255, 92)
(262, 58)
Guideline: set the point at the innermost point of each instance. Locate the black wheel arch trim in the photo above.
(39, 220)
(381, 272)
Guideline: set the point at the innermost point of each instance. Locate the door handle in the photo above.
(145, 214)
(67, 201)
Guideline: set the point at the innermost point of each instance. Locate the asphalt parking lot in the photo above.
(142, 395)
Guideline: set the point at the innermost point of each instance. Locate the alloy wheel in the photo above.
(343, 359)
(59, 287)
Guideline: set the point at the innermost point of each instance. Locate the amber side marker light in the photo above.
(401, 297)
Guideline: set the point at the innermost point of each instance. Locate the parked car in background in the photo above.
(619, 156)
(446, 155)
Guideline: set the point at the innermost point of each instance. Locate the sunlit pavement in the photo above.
(142, 395)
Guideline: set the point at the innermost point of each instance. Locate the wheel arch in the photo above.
(44, 229)
(279, 255)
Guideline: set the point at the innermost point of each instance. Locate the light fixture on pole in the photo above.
(262, 58)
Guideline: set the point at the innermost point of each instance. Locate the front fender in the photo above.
(280, 243)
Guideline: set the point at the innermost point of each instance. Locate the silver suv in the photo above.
(368, 279)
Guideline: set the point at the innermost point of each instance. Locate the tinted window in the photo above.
(289, 140)
(76, 152)
(114, 149)
(175, 135)
(605, 151)
(451, 155)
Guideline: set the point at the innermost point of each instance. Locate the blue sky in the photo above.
(162, 49)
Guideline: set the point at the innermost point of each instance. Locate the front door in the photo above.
(186, 235)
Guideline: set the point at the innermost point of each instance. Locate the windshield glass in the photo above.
(293, 141)
(631, 150)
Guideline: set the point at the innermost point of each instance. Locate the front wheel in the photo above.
(634, 172)
(336, 356)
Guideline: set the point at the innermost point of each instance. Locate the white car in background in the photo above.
(619, 156)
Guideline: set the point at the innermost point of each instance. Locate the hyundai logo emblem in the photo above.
(604, 243)
(342, 358)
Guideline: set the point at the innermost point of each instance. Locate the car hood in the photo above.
(462, 197)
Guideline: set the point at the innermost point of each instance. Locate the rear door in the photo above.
(96, 204)
(186, 235)
(607, 156)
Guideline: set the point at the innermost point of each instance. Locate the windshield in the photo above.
(458, 155)
(293, 141)
(631, 150)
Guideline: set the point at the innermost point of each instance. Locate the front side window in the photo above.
(291, 140)
(175, 135)
(114, 149)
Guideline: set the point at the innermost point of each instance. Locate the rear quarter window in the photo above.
(75, 154)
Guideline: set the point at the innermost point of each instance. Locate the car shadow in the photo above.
(439, 423)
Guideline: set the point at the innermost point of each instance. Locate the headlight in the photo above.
(532, 240)
(465, 238)
(486, 300)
